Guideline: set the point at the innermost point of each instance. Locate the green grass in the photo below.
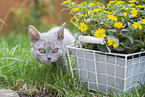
(20, 71)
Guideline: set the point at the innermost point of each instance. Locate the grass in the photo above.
(20, 71)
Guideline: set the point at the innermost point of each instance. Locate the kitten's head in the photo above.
(46, 47)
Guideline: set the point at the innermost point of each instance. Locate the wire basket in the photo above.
(107, 71)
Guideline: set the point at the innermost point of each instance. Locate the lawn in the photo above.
(21, 72)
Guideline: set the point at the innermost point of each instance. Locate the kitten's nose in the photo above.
(49, 58)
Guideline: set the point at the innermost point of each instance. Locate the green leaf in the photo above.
(113, 38)
(103, 48)
(119, 48)
(135, 47)
(127, 36)
(93, 31)
(130, 25)
(64, 9)
(111, 30)
(124, 46)
(139, 41)
(124, 30)
(142, 49)
(91, 19)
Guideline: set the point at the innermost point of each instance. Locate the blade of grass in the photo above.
(54, 87)
(4, 21)
(10, 58)
(13, 50)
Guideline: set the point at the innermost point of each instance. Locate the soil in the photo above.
(38, 94)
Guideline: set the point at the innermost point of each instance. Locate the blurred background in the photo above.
(43, 14)
(19, 14)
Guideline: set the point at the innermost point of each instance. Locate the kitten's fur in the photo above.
(55, 38)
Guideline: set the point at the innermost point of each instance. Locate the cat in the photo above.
(50, 47)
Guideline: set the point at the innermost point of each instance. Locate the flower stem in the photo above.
(99, 22)
(116, 32)
(106, 31)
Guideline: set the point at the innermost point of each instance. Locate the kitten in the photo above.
(50, 47)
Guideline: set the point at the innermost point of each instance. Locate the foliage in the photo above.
(121, 24)
(37, 11)
(34, 14)
(20, 71)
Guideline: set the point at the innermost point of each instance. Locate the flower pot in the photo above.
(122, 32)
(106, 71)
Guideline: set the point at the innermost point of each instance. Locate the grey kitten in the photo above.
(50, 47)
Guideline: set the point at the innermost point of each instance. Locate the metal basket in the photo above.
(107, 71)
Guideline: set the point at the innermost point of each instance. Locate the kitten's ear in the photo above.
(33, 34)
(61, 32)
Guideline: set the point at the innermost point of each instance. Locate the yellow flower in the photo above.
(74, 9)
(83, 27)
(100, 33)
(119, 2)
(96, 10)
(72, 20)
(91, 4)
(125, 13)
(83, 3)
(98, 3)
(140, 6)
(89, 12)
(137, 25)
(81, 15)
(118, 25)
(134, 12)
(76, 20)
(111, 42)
(130, 5)
(107, 12)
(110, 3)
(112, 17)
(74, 3)
(143, 21)
(67, 1)
(132, 1)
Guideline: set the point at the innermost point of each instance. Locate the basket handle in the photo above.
(91, 39)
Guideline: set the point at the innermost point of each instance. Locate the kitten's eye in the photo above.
(42, 50)
(55, 50)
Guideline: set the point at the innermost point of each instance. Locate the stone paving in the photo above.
(8, 93)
